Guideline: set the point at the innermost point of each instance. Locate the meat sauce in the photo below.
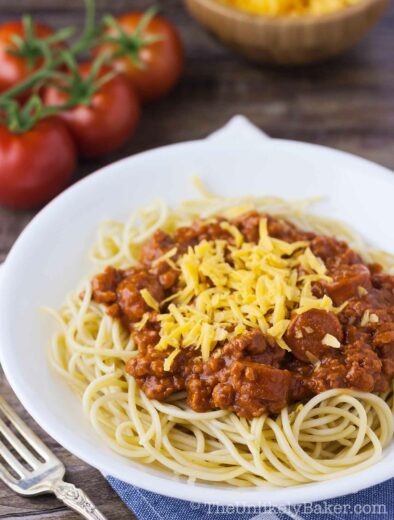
(251, 374)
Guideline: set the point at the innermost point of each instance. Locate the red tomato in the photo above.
(107, 121)
(162, 61)
(35, 165)
(14, 69)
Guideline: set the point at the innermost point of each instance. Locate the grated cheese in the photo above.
(227, 289)
(166, 257)
(331, 341)
(312, 358)
(141, 324)
(365, 319)
(362, 291)
(289, 7)
(168, 361)
(149, 300)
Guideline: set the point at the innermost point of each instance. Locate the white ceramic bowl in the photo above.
(50, 257)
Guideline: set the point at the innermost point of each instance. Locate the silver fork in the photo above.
(46, 475)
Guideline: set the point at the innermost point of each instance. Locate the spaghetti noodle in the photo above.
(337, 432)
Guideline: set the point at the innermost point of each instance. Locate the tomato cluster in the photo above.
(87, 109)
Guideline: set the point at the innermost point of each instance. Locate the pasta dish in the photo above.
(243, 341)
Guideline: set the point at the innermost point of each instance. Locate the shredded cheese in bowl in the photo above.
(289, 7)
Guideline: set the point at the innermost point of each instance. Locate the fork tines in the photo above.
(32, 452)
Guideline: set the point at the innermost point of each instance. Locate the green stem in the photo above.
(130, 44)
(60, 36)
(89, 32)
(85, 43)
(24, 85)
(21, 119)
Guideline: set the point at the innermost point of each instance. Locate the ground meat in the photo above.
(166, 275)
(383, 340)
(148, 371)
(384, 335)
(285, 230)
(121, 289)
(256, 347)
(331, 373)
(233, 381)
(299, 388)
(387, 358)
(381, 280)
(159, 244)
(104, 285)
(128, 293)
(333, 252)
(248, 224)
(264, 349)
(251, 375)
(148, 336)
(356, 366)
(257, 388)
(363, 366)
(229, 379)
(200, 231)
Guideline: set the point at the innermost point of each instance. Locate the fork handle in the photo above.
(77, 499)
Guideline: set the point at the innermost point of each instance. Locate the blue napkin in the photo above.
(375, 503)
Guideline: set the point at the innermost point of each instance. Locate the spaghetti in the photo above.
(337, 432)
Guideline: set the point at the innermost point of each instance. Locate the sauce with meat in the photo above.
(252, 374)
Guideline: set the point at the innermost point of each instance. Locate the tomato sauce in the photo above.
(251, 374)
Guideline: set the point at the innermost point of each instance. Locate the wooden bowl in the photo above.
(291, 40)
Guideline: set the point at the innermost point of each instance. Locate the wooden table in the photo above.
(347, 103)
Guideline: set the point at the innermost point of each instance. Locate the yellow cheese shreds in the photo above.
(265, 240)
(141, 324)
(225, 290)
(369, 317)
(234, 231)
(365, 319)
(168, 361)
(278, 329)
(310, 262)
(289, 7)
(361, 290)
(331, 341)
(149, 300)
(166, 257)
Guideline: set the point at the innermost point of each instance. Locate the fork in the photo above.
(46, 475)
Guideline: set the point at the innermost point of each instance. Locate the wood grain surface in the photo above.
(347, 104)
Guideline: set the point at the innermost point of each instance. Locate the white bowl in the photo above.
(50, 257)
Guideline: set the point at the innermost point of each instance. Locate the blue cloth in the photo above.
(375, 503)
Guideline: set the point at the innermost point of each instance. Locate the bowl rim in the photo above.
(162, 484)
(247, 18)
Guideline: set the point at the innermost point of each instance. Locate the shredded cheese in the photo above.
(226, 290)
(169, 360)
(165, 257)
(141, 324)
(365, 319)
(361, 290)
(289, 7)
(149, 300)
(331, 341)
